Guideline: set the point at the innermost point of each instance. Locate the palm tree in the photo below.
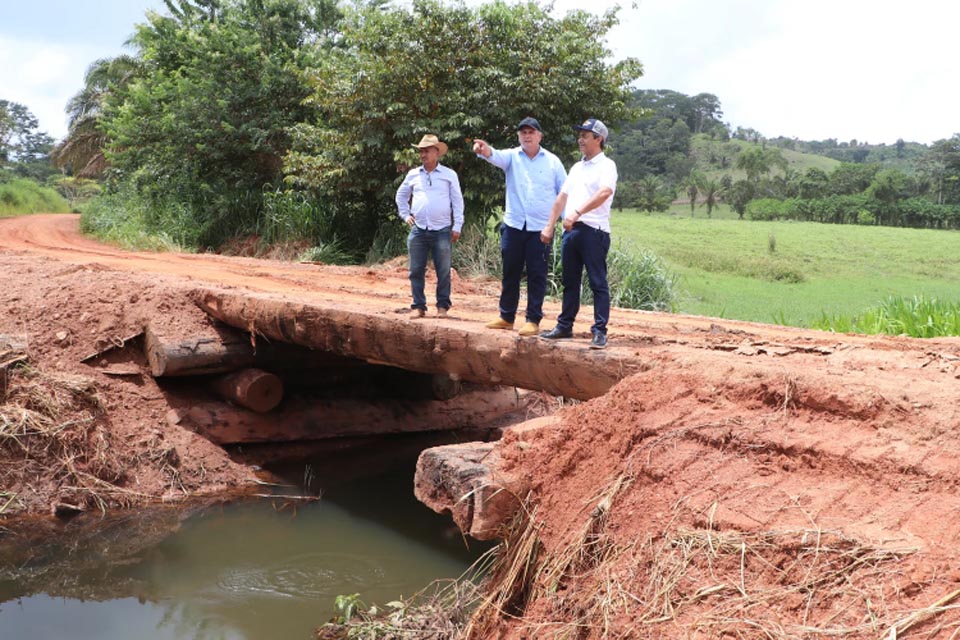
(711, 190)
(82, 148)
(692, 184)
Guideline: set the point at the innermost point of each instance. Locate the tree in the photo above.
(739, 195)
(23, 148)
(202, 132)
(692, 185)
(851, 178)
(942, 165)
(458, 72)
(711, 190)
(647, 194)
(82, 150)
(757, 162)
(707, 113)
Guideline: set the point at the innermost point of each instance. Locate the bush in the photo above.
(918, 317)
(22, 196)
(637, 280)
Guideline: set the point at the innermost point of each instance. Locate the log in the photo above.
(216, 351)
(254, 389)
(222, 349)
(305, 419)
(469, 482)
(464, 351)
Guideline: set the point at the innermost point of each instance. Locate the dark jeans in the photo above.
(584, 246)
(420, 243)
(521, 249)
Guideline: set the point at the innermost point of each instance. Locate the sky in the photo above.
(870, 70)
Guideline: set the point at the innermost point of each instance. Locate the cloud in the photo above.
(43, 77)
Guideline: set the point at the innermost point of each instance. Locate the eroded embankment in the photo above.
(751, 497)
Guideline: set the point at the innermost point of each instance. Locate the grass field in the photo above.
(728, 270)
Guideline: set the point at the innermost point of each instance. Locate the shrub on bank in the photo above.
(22, 196)
(918, 317)
(637, 279)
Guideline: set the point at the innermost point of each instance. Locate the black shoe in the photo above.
(599, 341)
(557, 334)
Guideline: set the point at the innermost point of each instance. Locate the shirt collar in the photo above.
(520, 152)
(594, 159)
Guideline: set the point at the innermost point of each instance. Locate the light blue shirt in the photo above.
(532, 186)
(437, 199)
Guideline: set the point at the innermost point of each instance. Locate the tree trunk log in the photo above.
(303, 419)
(224, 349)
(254, 389)
(469, 482)
(464, 351)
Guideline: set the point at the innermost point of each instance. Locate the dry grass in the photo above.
(439, 612)
(48, 434)
(701, 583)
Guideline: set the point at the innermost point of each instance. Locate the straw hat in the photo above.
(431, 140)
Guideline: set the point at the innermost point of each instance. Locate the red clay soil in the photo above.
(754, 481)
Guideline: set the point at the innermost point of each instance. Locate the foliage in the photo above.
(478, 252)
(640, 280)
(76, 190)
(650, 193)
(21, 195)
(82, 150)
(123, 218)
(327, 253)
(659, 143)
(456, 71)
(918, 317)
(203, 128)
(23, 149)
(390, 241)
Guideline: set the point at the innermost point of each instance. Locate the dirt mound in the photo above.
(87, 435)
(700, 500)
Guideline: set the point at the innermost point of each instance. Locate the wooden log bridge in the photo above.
(464, 350)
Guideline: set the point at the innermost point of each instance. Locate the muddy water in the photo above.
(267, 569)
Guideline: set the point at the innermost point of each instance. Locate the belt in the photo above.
(584, 225)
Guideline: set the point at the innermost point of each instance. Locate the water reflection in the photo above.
(247, 570)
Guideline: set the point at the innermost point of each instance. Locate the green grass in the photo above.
(727, 269)
(918, 317)
(22, 196)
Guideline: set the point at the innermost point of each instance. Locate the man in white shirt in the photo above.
(585, 201)
(430, 201)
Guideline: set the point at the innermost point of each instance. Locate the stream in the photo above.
(261, 569)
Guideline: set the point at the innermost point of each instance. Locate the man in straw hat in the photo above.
(585, 202)
(430, 201)
(534, 177)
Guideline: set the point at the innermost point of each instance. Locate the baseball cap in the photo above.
(593, 125)
(529, 122)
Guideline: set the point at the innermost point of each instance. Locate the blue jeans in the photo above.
(584, 246)
(521, 249)
(420, 243)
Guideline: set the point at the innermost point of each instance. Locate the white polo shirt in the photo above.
(585, 179)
